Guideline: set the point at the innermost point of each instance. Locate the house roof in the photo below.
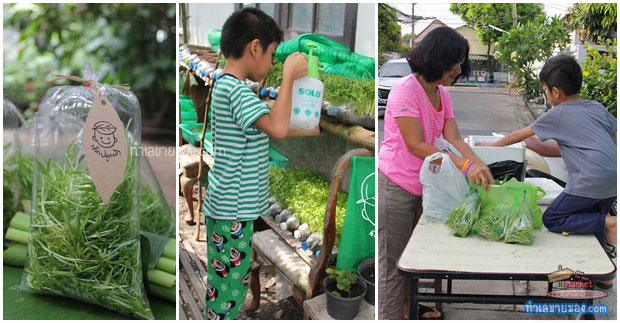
(461, 26)
(428, 28)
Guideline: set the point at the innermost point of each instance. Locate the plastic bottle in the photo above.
(338, 110)
(190, 58)
(285, 214)
(275, 208)
(216, 74)
(307, 96)
(291, 223)
(195, 62)
(272, 93)
(313, 242)
(302, 232)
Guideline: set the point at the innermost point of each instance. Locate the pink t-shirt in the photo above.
(408, 99)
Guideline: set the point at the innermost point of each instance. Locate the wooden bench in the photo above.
(192, 284)
(278, 247)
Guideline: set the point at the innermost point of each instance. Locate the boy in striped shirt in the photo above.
(238, 187)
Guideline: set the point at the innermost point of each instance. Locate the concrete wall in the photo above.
(204, 17)
(475, 47)
(365, 32)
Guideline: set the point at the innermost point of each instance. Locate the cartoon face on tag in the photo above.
(104, 134)
(106, 146)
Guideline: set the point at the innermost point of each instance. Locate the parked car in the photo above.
(389, 73)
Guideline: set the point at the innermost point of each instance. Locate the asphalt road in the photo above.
(482, 111)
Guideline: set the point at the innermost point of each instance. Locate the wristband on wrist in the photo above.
(465, 165)
(467, 168)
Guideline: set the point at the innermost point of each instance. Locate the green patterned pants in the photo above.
(228, 268)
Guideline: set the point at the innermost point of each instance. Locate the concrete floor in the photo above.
(482, 111)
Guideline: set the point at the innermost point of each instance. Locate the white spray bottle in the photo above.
(307, 96)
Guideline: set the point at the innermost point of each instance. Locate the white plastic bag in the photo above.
(446, 147)
(444, 187)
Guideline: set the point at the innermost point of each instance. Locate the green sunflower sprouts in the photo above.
(463, 217)
(80, 247)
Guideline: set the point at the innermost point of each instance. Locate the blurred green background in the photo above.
(132, 44)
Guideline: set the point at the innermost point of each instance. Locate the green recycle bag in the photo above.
(504, 194)
(358, 234)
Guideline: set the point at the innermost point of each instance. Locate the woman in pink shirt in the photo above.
(418, 111)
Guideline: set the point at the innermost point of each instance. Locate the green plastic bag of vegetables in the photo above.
(81, 246)
(520, 224)
(463, 217)
(505, 193)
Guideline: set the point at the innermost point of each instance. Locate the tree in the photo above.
(389, 31)
(125, 43)
(600, 76)
(481, 16)
(598, 19)
(528, 43)
(407, 38)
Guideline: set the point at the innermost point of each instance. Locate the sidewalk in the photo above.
(457, 311)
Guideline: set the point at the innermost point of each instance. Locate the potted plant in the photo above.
(366, 271)
(344, 293)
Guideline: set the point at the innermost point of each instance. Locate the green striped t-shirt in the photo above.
(239, 179)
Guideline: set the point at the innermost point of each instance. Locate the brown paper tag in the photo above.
(105, 147)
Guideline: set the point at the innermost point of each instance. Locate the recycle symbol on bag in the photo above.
(367, 192)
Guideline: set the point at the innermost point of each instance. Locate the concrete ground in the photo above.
(482, 111)
(511, 312)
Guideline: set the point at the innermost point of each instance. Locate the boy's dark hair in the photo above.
(438, 52)
(244, 26)
(562, 71)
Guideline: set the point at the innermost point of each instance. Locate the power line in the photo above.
(557, 7)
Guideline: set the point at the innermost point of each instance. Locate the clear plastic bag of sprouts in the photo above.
(156, 214)
(10, 190)
(17, 170)
(84, 235)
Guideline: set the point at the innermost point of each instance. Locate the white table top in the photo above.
(432, 247)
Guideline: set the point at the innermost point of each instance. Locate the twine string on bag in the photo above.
(92, 83)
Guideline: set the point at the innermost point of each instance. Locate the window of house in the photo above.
(268, 8)
(301, 16)
(337, 21)
(330, 18)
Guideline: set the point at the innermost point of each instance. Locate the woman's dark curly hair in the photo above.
(438, 52)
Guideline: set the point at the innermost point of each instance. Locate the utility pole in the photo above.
(412, 25)
(184, 22)
(514, 24)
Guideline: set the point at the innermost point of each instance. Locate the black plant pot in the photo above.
(370, 285)
(342, 308)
